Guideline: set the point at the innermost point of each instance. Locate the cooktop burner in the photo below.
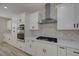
(50, 39)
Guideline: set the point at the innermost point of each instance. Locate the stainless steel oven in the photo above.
(20, 34)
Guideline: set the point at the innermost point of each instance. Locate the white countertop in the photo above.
(66, 43)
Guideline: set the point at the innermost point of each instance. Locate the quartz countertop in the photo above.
(66, 43)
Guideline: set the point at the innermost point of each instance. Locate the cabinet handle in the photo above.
(77, 25)
(44, 50)
(76, 52)
(62, 47)
(74, 25)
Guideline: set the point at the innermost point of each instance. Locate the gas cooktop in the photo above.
(50, 39)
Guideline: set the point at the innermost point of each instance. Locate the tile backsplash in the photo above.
(51, 31)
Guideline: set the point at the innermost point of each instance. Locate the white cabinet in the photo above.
(14, 28)
(40, 49)
(7, 37)
(50, 50)
(62, 51)
(67, 16)
(20, 45)
(21, 18)
(46, 49)
(72, 52)
(30, 47)
(66, 51)
(9, 25)
(16, 21)
(34, 17)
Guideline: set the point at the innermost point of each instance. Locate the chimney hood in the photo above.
(48, 19)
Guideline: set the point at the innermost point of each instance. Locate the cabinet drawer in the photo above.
(62, 51)
(72, 52)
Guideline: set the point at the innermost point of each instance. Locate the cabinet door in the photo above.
(72, 52)
(40, 49)
(66, 17)
(14, 31)
(46, 49)
(21, 18)
(14, 28)
(62, 51)
(9, 24)
(30, 47)
(7, 37)
(50, 50)
(34, 21)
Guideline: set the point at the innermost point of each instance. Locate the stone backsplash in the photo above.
(51, 31)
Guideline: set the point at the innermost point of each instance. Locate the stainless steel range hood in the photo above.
(47, 19)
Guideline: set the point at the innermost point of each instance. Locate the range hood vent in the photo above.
(47, 19)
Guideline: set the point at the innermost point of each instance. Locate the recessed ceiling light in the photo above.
(62, 6)
(5, 7)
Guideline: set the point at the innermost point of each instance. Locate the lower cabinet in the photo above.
(72, 52)
(62, 51)
(43, 49)
(20, 45)
(51, 50)
(40, 49)
(66, 51)
(30, 47)
(46, 49)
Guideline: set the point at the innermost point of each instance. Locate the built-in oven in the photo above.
(20, 32)
(21, 27)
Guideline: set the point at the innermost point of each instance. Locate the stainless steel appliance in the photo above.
(48, 18)
(20, 34)
(49, 39)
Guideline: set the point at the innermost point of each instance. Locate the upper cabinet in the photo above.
(34, 18)
(9, 25)
(68, 17)
(21, 18)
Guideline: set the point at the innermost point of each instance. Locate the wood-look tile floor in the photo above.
(8, 50)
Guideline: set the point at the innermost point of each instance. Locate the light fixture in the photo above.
(62, 6)
(5, 7)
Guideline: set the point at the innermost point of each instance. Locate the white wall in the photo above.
(3, 28)
(6, 14)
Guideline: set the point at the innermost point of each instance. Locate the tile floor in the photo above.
(8, 50)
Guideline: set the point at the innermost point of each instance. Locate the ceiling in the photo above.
(16, 8)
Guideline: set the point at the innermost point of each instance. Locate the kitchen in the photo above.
(42, 29)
